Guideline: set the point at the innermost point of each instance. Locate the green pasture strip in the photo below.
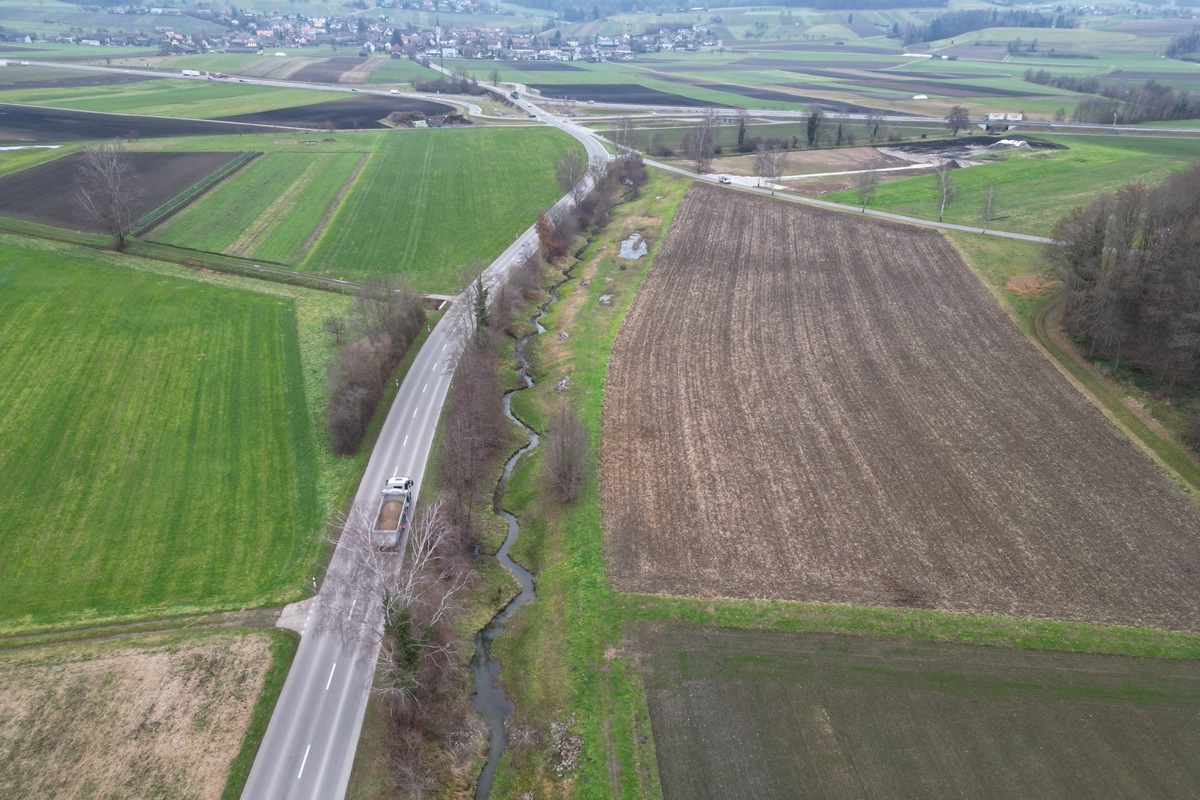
(407, 71)
(1038, 187)
(197, 99)
(429, 202)
(164, 384)
(13, 161)
(268, 210)
(284, 645)
(744, 714)
(188, 194)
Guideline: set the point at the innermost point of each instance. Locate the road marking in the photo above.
(352, 605)
(405, 441)
(444, 347)
(302, 763)
(330, 676)
(423, 388)
(434, 367)
(415, 413)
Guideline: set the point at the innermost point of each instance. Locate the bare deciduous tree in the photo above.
(874, 126)
(701, 141)
(108, 191)
(947, 187)
(564, 455)
(624, 135)
(866, 184)
(814, 127)
(335, 326)
(988, 212)
(958, 119)
(769, 162)
(569, 169)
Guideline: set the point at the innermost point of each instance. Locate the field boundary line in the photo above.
(251, 618)
(1083, 375)
(334, 205)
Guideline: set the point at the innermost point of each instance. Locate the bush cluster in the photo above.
(386, 321)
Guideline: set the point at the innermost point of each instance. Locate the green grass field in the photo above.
(267, 211)
(430, 202)
(1037, 188)
(747, 714)
(168, 98)
(157, 450)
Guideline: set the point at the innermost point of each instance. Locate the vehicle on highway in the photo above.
(394, 511)
(724, 179)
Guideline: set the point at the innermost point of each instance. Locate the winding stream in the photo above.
(488, 699)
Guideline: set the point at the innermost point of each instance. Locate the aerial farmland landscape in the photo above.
(431, 399)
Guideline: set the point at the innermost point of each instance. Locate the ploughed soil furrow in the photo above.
(808, 405)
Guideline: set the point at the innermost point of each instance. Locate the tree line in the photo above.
(1149, 102)
(382, 324)
(956, 23)
(1130, 266)
(1185, 47)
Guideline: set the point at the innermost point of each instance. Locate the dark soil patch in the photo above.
(328, 70)
(785, 97)
(942, 146)
(940, 87)
(48, 193)
(88, 79)
(356, 113)
(616, 93)
(26, 124)
(749, 714)
(543, 66)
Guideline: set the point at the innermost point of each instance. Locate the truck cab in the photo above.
(398, 484)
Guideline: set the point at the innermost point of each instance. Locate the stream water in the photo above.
(488, 699)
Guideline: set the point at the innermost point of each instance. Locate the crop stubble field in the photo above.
(807, 405)
(747, 714)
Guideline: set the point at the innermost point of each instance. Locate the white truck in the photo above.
(190, 73)
(392, 519)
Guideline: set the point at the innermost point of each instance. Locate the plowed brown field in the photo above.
(816, 406)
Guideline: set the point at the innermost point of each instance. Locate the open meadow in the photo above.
(156, 449)
(745, 714)
(1035, 188)
(430, 202)
(148, 716)
(814, 406)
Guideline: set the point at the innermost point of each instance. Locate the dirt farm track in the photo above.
(810, 405)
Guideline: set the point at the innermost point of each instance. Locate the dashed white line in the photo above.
(444, 347)
(415, 413)
(352, 605)
(331, 671)
(423, 388)
(302, 763)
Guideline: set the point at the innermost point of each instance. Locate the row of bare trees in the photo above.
(383, 323)
(1128, 264)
